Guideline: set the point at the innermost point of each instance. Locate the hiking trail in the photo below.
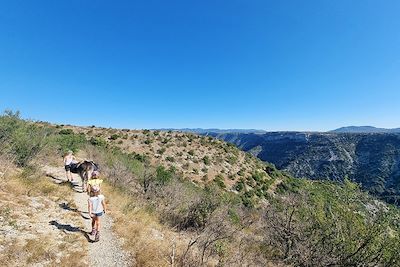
(108, 251)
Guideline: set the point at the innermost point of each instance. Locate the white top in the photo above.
(68, 160)
(97, 207)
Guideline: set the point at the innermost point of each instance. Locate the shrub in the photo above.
(231, 159)
(139, 157)
(163, 176)
(66, 131)
(114, 137)
(206, 160)
(72, 142)
(98, 141)
(239, 186)
(161, 151)
(20, 138)
(170, 159)
(257, 176)
(241, 172)
(219, 180)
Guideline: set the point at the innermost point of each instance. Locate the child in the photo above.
(69, 159)
(94, 181)
(97, 207)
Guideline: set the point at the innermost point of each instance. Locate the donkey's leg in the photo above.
(83, 178)
(88, 176)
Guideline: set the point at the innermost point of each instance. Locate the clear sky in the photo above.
(274, 65)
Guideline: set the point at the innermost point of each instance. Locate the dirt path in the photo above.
(108, 251)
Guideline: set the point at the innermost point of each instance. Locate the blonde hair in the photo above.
(94, 194)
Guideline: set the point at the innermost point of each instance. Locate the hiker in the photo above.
(69, 159)
(94, 181)
(97, 207)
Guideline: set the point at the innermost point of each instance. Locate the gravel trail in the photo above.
(108, 251)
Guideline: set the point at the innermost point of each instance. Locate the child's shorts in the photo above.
(99, 214)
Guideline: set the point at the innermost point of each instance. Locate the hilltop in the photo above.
(199, 158)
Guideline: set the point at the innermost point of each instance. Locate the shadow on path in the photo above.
(73, 185)
(66, 206)
(71, 229)
(66, 227)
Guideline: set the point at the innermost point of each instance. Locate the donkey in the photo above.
(84, 169)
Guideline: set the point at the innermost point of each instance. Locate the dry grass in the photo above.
(27, 203)
(144, 237)
(39, 250)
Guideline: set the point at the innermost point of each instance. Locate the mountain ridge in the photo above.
(365, 129)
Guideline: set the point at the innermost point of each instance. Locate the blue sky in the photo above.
(274, 65)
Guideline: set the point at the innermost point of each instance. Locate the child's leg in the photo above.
(97, 223)
(93, 226)
(97, 236)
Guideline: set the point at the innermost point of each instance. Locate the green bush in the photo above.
(22, 139)
(72, 142)
(139, 157)
(170, 159)
(161, 150)
(163, 176)
(239, 186)
(219, 180)
(114, 137)
(206, 160)
(148, 141)
(66, 131)
(98, 141)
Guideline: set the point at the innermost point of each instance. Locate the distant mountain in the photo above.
(365, 129)
(371, 159)
(219, 131)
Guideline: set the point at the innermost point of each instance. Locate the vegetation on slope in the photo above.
(260, 217)
(371, 159)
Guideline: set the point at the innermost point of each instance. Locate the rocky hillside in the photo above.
(371, 159)
(196, 157)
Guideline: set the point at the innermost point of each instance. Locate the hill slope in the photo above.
(199, 158)
(370, 159)
(258, 217)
